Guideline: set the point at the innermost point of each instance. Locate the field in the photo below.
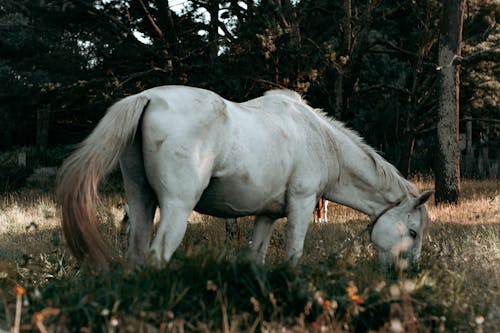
(212, 286)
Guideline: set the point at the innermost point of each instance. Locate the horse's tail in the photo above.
(80, 175)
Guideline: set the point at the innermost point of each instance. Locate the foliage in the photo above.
(373, 66)
(13, 176)
(481, 75)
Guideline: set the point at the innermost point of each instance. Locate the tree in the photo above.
(480, 83)
(447, 168)
(370, 63)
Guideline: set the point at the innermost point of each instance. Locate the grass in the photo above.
(212, 286)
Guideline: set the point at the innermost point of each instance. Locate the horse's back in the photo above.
(247, 155)
(179, 115)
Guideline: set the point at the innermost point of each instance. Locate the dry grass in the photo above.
(460, 261)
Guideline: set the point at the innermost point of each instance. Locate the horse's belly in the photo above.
(225, 198)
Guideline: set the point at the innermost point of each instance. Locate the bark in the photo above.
(340, 102)
(167, 21)
(162, 27)
(485, 163)
(151, 20)
(407, 149)
(290, 23)
(354, 47)
(447, 178)
(419, 89)
(42, 134)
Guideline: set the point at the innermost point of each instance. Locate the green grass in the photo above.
(212, 286)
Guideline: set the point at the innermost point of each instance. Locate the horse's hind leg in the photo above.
(141, 201)
(262, 232)
(179, 185)
(173, 224)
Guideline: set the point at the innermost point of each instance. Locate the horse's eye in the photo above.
(413, 234)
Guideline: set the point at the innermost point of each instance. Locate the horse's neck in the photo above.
(358, 183)
(362, 197)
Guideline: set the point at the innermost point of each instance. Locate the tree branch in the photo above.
(226, 31)
(141, 74)
(151, 20)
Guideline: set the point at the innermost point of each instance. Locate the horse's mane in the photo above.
(286, 93)
(388, 174)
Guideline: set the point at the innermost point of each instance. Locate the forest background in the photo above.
(372, 64)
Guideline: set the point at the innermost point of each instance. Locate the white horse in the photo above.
(186, 148)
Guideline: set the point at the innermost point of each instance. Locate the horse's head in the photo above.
(398, 231)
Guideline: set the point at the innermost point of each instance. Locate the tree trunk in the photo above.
(407, 149)
(213, 33)
(250, 8)
(167, 22)
(447, 167)
(161, 27)
(470, 160)
(42, 134)
(345, 49)
(285, 16)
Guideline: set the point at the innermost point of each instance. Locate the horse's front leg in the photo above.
(299, 212)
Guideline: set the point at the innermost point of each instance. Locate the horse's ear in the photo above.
(423, 198)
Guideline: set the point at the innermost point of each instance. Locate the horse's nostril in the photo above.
(413, 234)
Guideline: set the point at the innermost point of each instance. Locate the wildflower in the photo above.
(38, 321)
(442, 322)
(357, 299)
(408, 286)
(19, 290)
(114, 322)
(255, 303)
(479, 320)
(272, 299)
(170, 314)
(327, 305)
(211, 285)
(394, 291)
(380, 286)
(396, 326)
(307, 308)
(352, 289)
(38, 316)
(319, 298)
